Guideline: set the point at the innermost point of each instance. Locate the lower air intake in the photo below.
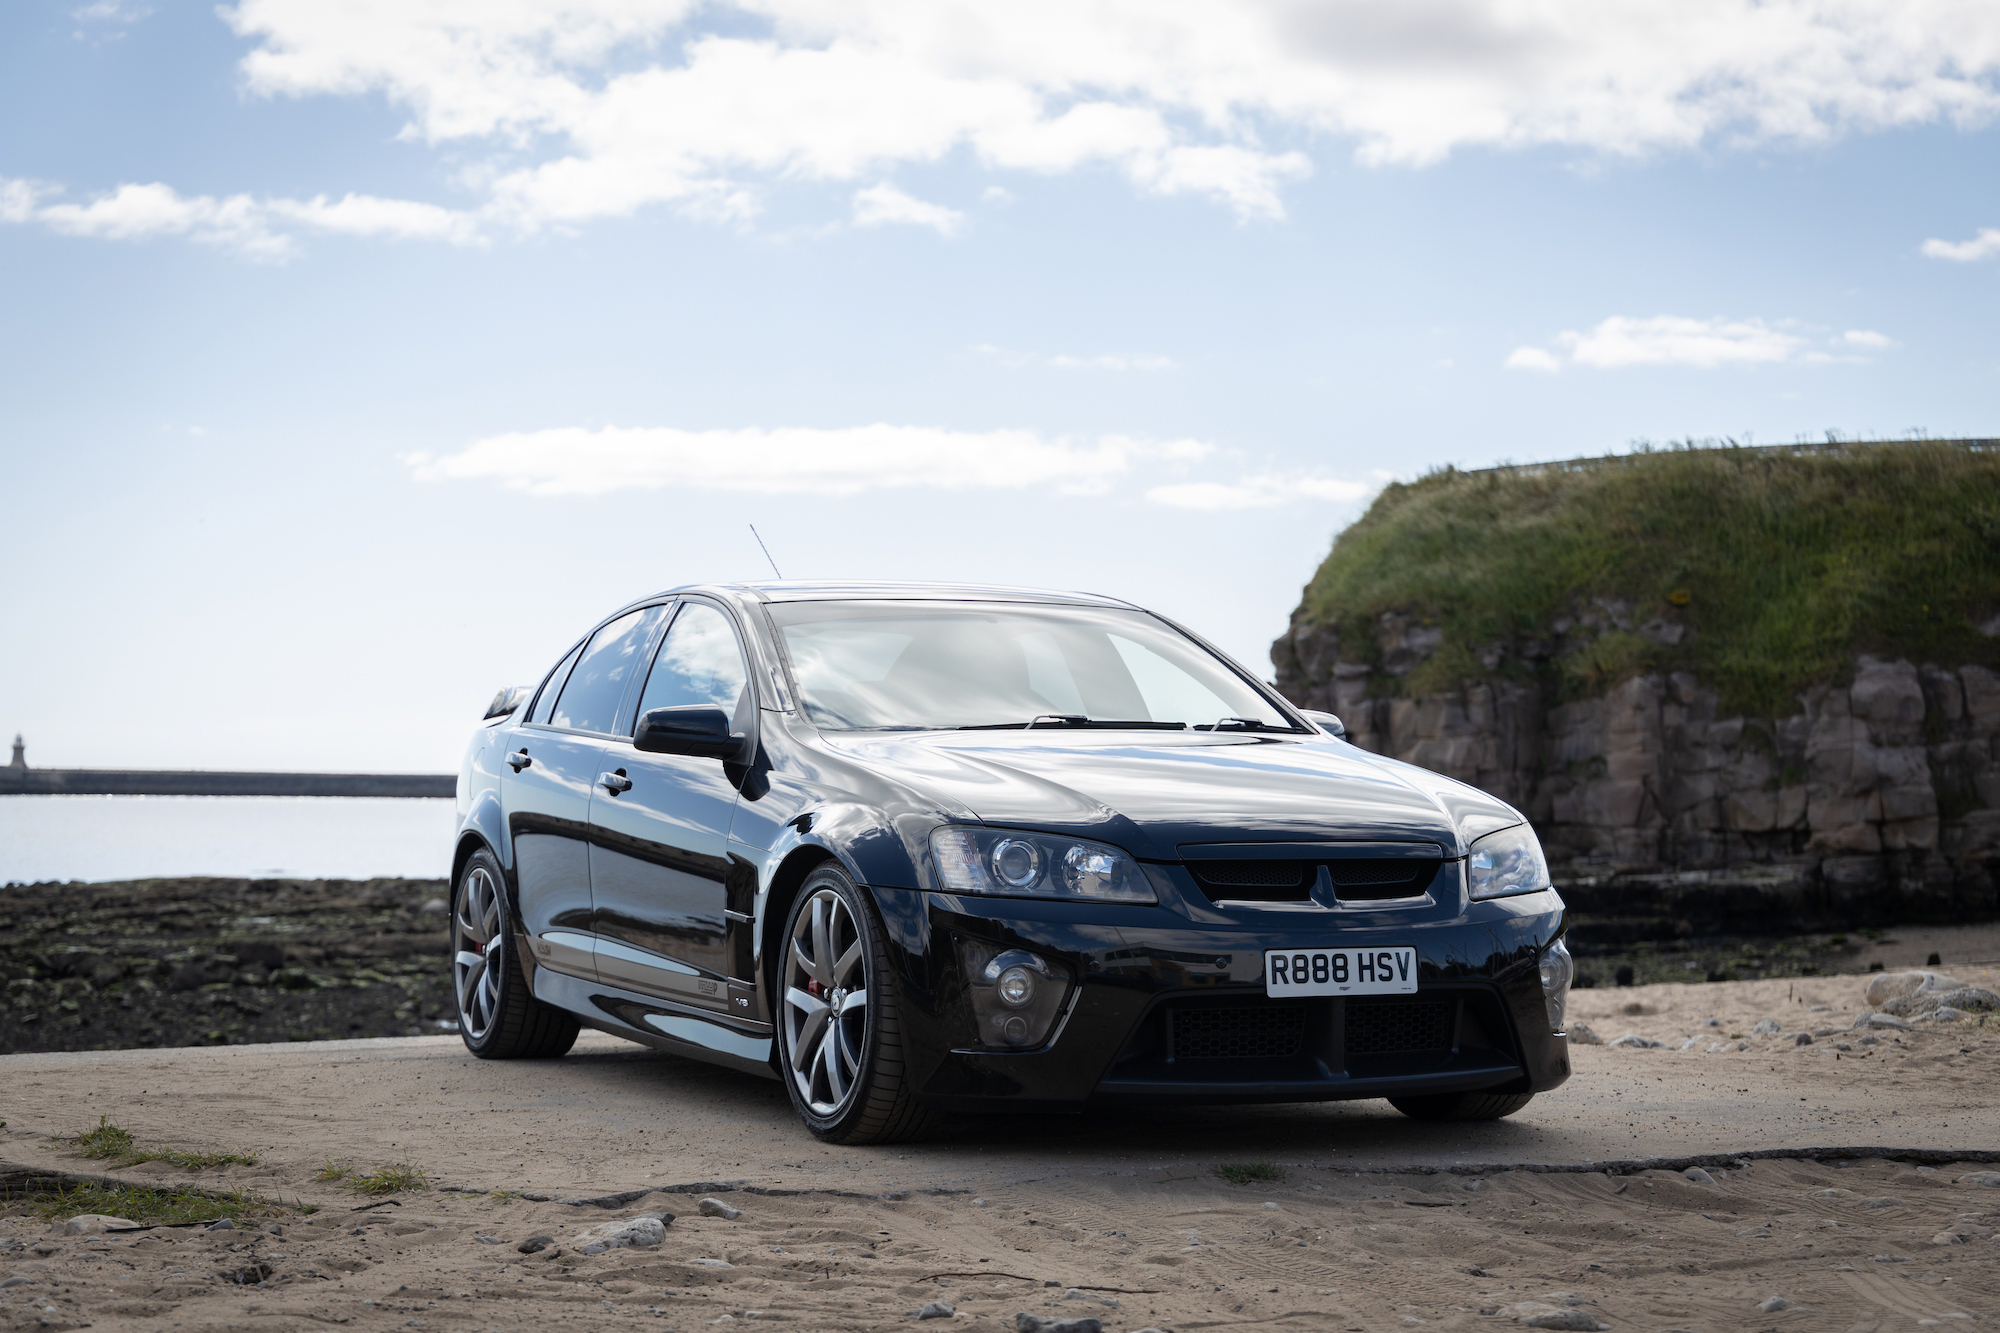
(1239, 1032)
(1392, 1028)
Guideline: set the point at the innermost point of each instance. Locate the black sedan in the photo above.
(919, 849)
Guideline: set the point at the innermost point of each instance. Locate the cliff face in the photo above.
(1871, 795)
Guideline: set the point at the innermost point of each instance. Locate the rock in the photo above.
(1580, 1034)
(1698, 1176)
(489, 1240)
(435, 906)
(979, 1203)
(535, 1244)
(15, 1282)
(1867, 1041)
(1774, 1304)
(1834, 1193)
(1566, 1319)
(1638, 1043)
(1944, 1013)
(936, 1310)
(1034, 1323)
(220, 1224)
(90, 1224)
(1974, 999)
(640, 1233)
(1769, 1027)
(717, 1208)
(1882, 1021)
(1882, 1201)
(713, 1263)
(1886, 986)
(1990, 1179)
(1688, 1044)
(1802, 1039)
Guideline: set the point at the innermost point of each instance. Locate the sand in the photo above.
(1378, 1221)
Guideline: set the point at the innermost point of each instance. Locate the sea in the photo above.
(92, 838)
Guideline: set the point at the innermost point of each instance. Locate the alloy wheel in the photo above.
(475, 935)
(826, 1002)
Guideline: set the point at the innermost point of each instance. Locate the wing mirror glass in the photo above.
(1326, 722)
(699, 730)
(507, 701)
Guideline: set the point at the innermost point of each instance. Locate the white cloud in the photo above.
(567, 110)
(879, 204)
(241, 223)
(1985, 244)
(1533, 358)
(1109, 361)
(1258, 492)
(110, 11)
(578, 461)
(1867, 338)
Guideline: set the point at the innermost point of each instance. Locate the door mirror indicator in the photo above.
(699, 730)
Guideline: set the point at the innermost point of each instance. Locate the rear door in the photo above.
(552, 766)
(659, 849)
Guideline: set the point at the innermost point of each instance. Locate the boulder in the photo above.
(640, 1233)
(91, 1224)
(1888, 986)
(1968, 999)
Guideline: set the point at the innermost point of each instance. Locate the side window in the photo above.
(611, 660)
(700, 663)
(545, 703)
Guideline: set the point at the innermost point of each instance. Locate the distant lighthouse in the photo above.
(20, 759)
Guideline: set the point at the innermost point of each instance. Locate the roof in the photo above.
(800, 590)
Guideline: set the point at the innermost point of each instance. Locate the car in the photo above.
(925, 850)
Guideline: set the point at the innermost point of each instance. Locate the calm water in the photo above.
(145, 837)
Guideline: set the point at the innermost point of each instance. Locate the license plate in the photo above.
(1295, 972)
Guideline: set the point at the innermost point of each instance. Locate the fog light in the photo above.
(1017, 986)
(1016, 995)
(1557, 972)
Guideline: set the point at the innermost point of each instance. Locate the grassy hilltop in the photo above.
(1780, 564)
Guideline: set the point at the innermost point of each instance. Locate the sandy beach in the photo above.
(1377, 1221)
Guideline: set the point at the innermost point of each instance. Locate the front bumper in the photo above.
(1163, 1006)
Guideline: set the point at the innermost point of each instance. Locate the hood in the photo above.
(1152, 792)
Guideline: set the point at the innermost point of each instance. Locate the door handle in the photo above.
(519, 759)
(614, 782)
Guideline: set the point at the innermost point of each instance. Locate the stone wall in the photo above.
(1878, 801)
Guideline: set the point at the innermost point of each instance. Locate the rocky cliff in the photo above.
(1870, 795)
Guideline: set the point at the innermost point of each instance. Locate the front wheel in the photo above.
(498, 1017)
(840, 1031)
(1462, 1105)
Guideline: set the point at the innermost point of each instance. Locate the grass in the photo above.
(116, 1147)
(396, 1178)
(1244, 1173)
(147, 1204)
(1782, 564)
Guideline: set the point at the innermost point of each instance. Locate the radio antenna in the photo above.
(765, 549)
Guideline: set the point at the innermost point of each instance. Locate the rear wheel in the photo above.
(1462, 1105)
(840, 1032)
(498, 1017)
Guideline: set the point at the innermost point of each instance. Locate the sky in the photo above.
(355, 359)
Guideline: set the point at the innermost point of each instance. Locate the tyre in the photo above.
(1462, 1105)
(840, 1036)
(498, 1017)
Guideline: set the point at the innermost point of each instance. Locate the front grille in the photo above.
(1382, 1029)
(1346, 873)
(1239, 1032)
(1252, 874)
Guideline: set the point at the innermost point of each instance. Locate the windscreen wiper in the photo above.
(1241, 724)
(1075, 720)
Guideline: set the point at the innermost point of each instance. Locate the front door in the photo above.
(659, 848)
(552, 763)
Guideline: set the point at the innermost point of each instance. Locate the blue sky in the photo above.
(357, 357)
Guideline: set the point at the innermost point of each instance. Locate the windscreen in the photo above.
(909, 666)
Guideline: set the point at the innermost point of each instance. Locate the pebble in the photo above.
(979, 1203)
(220, 1224)
(1711, 1022)
(1581, 1034)
(717, 1208)
(1638, 1043)
(1270, 1205)
(1883, 1201)
(1698, 1176)
(1990, 1179)
(1883, 1021)
(15, 1282)
(535, 1244)
(1774, 1304)
(1025, 1322)
(1566, 1319)
(642, 1233)
(1769, 1027)
(936, 1310)
(1688, 1045)
(1803, 1039)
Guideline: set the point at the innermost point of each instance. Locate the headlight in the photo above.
(1557, 972)
(1034, 865)
(1507, 862)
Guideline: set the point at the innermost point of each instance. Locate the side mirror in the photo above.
(698, 730)
(1326, 722)
(509, 700)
